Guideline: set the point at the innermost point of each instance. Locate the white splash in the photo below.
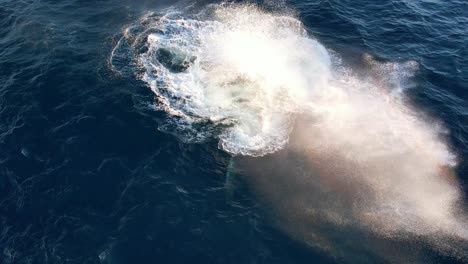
(244, 75)
(248, 71)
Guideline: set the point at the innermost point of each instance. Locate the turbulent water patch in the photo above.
(239, 75)
(244, 76)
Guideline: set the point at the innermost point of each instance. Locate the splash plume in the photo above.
(356, 156)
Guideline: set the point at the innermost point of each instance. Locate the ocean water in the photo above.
(262, 132)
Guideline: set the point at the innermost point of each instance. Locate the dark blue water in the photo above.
(87, 177)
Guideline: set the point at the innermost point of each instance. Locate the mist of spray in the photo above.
(257, 81)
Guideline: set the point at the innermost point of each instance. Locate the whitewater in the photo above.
(257, 82)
